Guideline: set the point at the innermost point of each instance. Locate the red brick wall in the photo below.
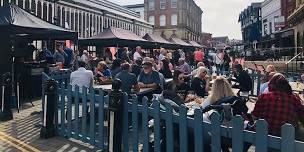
(288, 6)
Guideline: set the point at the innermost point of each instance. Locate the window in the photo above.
(162, 4)
(265, 29)
(270, 27)
(173, 3)
(152, 20)
(151, 5)
(162, 20)
(50, 13)
(174, 19)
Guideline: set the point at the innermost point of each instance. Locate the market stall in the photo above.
(18, 29)
(116, 37)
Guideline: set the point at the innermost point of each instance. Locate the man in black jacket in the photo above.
(243, 78)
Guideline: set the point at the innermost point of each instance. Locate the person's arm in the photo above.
(136, 87)
(195, 86)
(207, 87)
(256, 113)
(92, 79)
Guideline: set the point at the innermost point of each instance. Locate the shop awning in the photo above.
(195, 44)
(15, 21)
(180, 42)
(159, 41)
(113, 37)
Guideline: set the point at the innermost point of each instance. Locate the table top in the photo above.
(297, 86)
(108, 87)
(235, 91)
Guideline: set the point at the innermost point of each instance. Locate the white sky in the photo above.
(220, 17)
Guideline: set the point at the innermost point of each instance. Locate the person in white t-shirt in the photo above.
(137, 54)
(81, 77)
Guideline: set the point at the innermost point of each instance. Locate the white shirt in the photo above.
(81, 78)
(136, 56)
(217, 59)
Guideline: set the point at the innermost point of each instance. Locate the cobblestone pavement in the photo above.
(22, 134)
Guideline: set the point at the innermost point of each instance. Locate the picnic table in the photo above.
(297, 86)
(108, 87)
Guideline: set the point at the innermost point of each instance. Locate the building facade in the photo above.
(175, 18)
(138, 8)
(272, 19)
(250, 19)
(296, 21)
(206, 39)
(275, 28)
(87, 17)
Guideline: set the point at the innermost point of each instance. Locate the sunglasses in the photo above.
(181, 78)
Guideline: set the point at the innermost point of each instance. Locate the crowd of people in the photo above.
(277, 103)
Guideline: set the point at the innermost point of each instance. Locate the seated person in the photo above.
(178, 84)
(149, 78)
(199, 83)
(279, 106)
(199, 64)
(128, 80)
(302, 78)
(220, 89)
(136, 67)
(81, 77)
(102, 73)
(264, 86)
(184, 66)
(269, 69)
(243, 78)
(165, 69)
(115, 68)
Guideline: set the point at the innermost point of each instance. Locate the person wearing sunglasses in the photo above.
(199, 84)
(178, 84)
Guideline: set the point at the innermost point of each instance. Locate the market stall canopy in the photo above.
(195, 44)
(113, 37)
(180, 42)
(15, 21)
(158, 40)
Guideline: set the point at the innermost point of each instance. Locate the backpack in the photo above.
(238, 108)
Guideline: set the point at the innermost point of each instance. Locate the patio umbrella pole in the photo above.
(13, 75)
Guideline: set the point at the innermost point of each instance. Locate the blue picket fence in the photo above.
(194, 129)
(82, 115)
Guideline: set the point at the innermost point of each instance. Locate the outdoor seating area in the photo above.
(169, 124)
(118, 91)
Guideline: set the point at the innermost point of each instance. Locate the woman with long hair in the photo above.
(165, 69)
(221, 88)
(178, 84)
(279, 106)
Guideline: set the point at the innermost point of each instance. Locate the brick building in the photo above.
(206, 39)
(175, 18)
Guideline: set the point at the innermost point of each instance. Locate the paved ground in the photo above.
(22, 134)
